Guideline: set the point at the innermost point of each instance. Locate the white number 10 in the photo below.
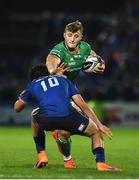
(52, 82)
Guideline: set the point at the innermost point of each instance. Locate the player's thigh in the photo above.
(33, 122)
(91, 128)
(36, 131)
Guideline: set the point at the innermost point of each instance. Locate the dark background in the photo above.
(98, 6)
(29, 29)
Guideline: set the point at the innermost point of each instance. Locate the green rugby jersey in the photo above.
(73, 61)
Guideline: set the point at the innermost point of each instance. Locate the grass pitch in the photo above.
(17, 156)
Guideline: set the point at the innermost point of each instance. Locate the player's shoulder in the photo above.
(59, 46)
(85, 44)
(61, 78)
(58, 50)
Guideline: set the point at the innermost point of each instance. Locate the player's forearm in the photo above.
(52, 64)
(51, 69)
(19, 105)
(79, 101)
(90, 113)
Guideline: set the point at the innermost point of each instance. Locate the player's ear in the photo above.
(64, 34)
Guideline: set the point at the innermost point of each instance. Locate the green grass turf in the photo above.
(17, 156)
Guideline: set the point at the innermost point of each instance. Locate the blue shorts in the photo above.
(75, 123)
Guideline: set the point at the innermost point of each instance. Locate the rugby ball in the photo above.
(90, 63)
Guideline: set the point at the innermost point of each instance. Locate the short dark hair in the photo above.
(38, 71)
(74, 27)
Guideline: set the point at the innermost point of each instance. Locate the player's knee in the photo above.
(95, 130)
(91, 129)
(63, 134)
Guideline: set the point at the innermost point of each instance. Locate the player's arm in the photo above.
(54, 66)
(79, 101)
(23, 99)
(52, 63)
(100, 66)
(90, 113)
(93, 53)
(19, 105)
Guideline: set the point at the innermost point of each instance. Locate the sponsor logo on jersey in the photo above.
(77, 56)
(71, 59)
(71, 63)
(74, 69)
(81, 127)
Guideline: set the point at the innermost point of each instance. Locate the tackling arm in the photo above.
(91, 115)
(52, 63)
(79, 101)
(54, 66)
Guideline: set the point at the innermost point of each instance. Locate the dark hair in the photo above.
(74, 27)
(38, 71)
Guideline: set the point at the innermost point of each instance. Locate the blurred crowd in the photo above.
(27, 38)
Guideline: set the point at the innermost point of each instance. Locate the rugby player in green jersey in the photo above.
(66, 59)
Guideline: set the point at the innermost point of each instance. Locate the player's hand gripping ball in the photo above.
(91, 62)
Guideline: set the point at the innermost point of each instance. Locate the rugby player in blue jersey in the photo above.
(73, 51)
(53, 94)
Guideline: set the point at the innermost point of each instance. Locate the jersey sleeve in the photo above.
(26, 94)
(57, 52)
(87, 47)
(73, 90)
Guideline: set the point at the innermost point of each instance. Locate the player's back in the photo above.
(52, 94)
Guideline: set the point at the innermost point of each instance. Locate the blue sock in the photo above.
(99, 154)
(40, 143)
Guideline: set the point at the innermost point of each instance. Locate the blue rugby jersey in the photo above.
(52, 94)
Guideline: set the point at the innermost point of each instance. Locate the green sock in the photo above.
(65, 146)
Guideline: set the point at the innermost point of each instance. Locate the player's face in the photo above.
(72, 39)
